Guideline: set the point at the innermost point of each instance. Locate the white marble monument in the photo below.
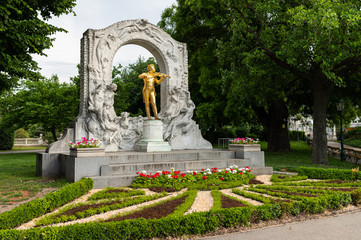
(97, 118)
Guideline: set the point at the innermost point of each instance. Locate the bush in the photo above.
(353, 133)
(21, 133)
(330, 173)
(297, 135)
(6, 137)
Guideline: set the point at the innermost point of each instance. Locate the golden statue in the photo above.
(149, 91)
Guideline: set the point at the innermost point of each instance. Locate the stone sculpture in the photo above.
(97, 117)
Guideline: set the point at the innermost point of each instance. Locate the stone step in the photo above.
(188, 155)
(126, 180)
(131, 168)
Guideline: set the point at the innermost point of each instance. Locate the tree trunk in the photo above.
(321, 92)
(53, 132)
(275, 123)
(277, 130)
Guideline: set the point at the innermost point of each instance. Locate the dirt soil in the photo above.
(255, 181)
(157, 212)
(162, 189)
(230, 203)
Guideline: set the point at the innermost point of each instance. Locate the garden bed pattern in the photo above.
(120, 204)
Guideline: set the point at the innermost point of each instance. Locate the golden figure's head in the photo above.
(151, 68)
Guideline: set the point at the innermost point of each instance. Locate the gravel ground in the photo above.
(251, 201)
(202, 203)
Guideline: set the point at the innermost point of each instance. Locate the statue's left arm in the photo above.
(162, 76)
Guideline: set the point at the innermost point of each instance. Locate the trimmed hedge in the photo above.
(286, 178)
(41, 206)
(329, 173)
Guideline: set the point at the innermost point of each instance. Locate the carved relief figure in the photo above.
(178, 116)
(149, 79)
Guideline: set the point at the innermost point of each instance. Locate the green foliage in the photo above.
(108, 195)
(25, 31)
(6, 136)
(286, 178)
(353, 133)
(21, 133)
(321, 173)
(47, 102)
(300, 156)
(297, 135)
(128, 97)
(180, 210)
(217, 204)
(40, 206)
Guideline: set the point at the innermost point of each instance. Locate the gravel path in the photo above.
(251, 201)
(202, 203)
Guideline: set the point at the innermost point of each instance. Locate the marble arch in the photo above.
(97, 117)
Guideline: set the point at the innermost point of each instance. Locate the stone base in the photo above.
(87, 152)
(152, 140)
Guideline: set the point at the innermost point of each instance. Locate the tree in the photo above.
(317, 42)
(201, 29)
(24, 31)
(47, 102)
(227, 84)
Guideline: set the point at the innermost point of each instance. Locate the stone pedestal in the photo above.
(152, 140)
(250, 151)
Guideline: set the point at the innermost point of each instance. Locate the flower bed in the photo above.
(287, 198)
(213, 178)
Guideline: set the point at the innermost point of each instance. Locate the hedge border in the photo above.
(41, 206)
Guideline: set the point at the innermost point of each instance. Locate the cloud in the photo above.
(63, 57)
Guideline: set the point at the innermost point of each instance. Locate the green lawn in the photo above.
(17, 174)
(24, 148)
(353, 142)
(300, 156)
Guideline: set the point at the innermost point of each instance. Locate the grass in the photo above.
(354, 142)
(21, 148)
(300, 156)
(17, 174)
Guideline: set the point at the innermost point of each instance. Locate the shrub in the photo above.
(6, 137)
(330, 173)
(21, 133)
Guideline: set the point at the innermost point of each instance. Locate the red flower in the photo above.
(241, 173)
(137, 173)
(204, 177)
(213, 171)
(194, 173)
(148, 176)
(225, 171)
(177, 172)
(221, 178)
(183, 175)
(202, 169)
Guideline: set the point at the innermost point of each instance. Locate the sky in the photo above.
(64, 56)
